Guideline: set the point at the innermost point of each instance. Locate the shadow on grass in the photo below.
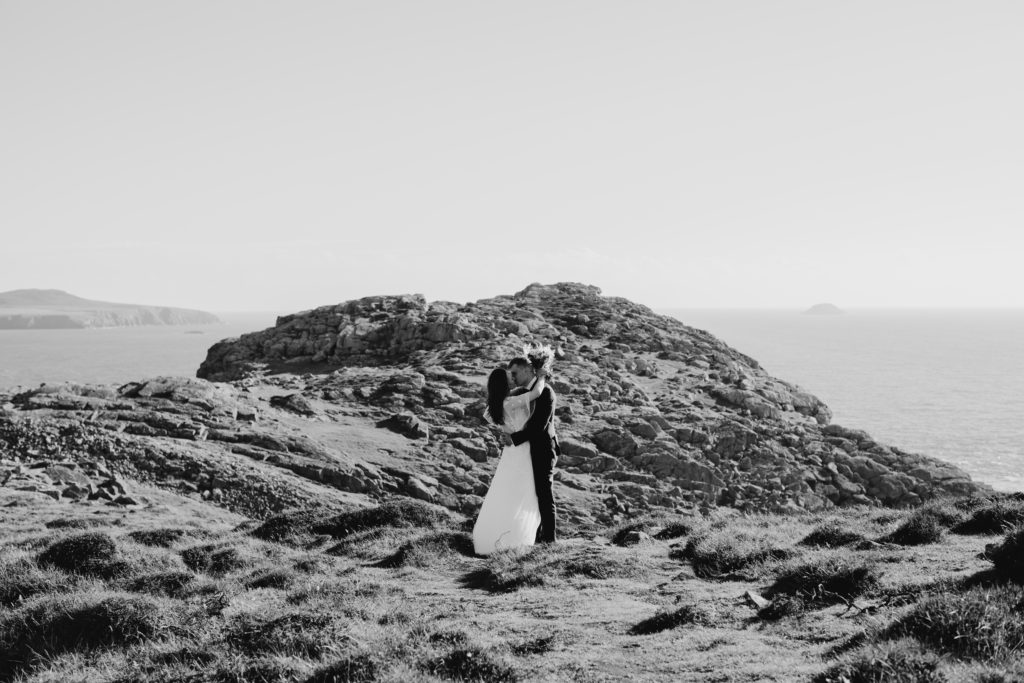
(684, 616)
(1008, 556)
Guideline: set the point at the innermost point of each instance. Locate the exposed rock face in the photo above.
(385, 396)
(55, 309)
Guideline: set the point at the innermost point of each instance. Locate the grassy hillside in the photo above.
(180, 590)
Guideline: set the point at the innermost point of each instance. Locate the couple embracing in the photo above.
(519, 509)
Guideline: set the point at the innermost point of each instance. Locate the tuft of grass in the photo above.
(214, 558)
(684, 616)
(1008, 556)
(996, 516)
(831, 534)
(901, 662)
(352, 668)
(620, 534)
(945, 510)
(293, 633)
(291, 527)
(922, 527)
(369, 544)
(398, 513)
(170, 583)
(261, 670)
(23, 579)
(545, 565)
(446, 638)
(782, 606)
(192, 656)
(91, 553)
(470, 664)
(719, 553)
(53, 625)
(339, 590)
(674, 530)
(161, 538)
(272, 578)
(312, 564)
(984, 624)
(74, 523)
(431, 550)
(537, 646)
(825, 581)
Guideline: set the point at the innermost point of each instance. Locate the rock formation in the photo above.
(824, 309)
(384, 396)
(55, 309)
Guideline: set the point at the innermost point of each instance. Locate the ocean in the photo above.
(945, 383)
(115, 355)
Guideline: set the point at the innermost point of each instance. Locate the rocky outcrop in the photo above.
(385, 396)
(824, 309)
(55, 309)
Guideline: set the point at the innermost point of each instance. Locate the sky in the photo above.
(255, 155)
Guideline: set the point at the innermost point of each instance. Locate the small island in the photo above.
(54, 309)
(824, 309)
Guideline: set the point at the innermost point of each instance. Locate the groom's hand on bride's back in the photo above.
(518, 438)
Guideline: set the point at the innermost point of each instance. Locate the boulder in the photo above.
(406, 424)
(295, 403)
(474, 448)
(617, 443)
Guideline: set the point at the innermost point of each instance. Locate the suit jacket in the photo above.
(539, 430)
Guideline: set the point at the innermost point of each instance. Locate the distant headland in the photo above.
(824, 309)
(56, 309)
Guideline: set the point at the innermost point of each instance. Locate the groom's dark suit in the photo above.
(539, 430)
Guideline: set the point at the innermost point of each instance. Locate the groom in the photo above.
(539, 431)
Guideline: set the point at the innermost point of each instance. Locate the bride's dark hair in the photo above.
(497, 391)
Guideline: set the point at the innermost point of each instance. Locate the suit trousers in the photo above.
(543, 456)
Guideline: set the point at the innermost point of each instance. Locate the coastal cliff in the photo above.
(385, 395)
(55, 309)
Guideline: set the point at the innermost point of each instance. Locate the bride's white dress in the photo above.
(509, 516)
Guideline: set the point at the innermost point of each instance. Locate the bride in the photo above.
(509, 516)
